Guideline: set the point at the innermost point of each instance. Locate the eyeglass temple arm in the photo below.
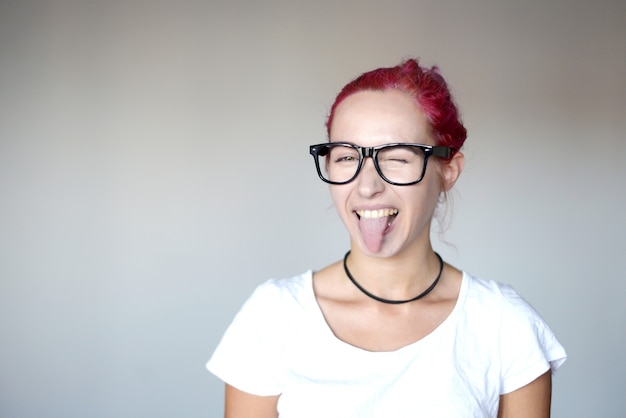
(442, 151)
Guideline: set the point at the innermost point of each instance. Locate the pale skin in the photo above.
(370, 119)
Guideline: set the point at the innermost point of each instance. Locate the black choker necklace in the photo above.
(393, 302)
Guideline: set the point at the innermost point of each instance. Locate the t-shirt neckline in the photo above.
(324, 327)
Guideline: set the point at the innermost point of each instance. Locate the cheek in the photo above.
(435, 171)
(340, 196)
(426, 195)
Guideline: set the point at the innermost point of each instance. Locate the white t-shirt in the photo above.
(492, 343)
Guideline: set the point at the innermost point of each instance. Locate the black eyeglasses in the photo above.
(400, 164)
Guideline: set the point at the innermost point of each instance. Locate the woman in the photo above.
(391, 330)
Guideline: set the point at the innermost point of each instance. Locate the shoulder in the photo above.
(525, 343)
(249, 355)
(270, 307)
(495, 307)
(274, 296)
(497, 296)
(294, 287)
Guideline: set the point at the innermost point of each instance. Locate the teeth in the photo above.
(373, 214)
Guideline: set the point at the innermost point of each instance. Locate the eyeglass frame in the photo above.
(372, 152)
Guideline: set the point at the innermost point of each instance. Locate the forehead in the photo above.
(378, 117)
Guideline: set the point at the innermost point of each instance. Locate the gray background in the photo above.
(154, 170)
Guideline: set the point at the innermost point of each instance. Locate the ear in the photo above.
(451, 170)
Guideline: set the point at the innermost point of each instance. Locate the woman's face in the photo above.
(399, 216)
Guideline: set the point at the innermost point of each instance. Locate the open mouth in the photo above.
(388, 213)
(374, 226)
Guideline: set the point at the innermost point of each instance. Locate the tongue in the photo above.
(373, 231)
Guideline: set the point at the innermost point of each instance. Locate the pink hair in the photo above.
(428, 89)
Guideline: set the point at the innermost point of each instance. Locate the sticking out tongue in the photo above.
(373, 230)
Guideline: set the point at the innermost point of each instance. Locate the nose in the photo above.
(369, 182)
